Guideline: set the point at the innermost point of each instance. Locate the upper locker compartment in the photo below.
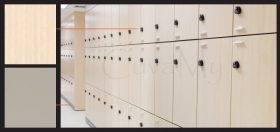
(254, 19)
(147, 28)
(185, 22)
(215, 20)
(134, 22)
(101, 24)
(115, 24)
(94, 24)
(108, 20)
(123, 34)
(164, 23)
(87, 34)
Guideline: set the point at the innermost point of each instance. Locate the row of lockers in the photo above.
(67, 87)
(205, 83)
(105, 110)
(68, 37)
(133, 24)
(67, 62)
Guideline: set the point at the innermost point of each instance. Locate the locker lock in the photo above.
(141, 59)
(104, 57)
(85, 56)
(93, 96)
(120, 33)
(85, 40)
(71, 55)
(119, 111)
(98, 57)
(88, 93)
(93, 38)
(93, 56)
(175, 61)
(89, 56)
(120, 58)
(111, 58)
(129, 59)
(201, 17)
(237, 10)
(156, 26)
(98, 99)
(200, 62)
(71, 43)
(98, 37)
(156, 60)
(141, 124)
(129, 117)
(111, 106)
(85, 91)
(111, 35)
(88, 39)
(141, 29)
(129, 31)
(104, 36)
(176, 22)
(235, 64)
(104, 103)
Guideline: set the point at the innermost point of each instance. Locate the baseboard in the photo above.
(89, 123)
(72, 106)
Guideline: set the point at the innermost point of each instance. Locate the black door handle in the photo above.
(141, 59)
(156, 26)
(129, 59)
(200, 62)
(201, 17)
(156, 60)
(119, 111)
(176, 22)
(236, 64)
(141, 29)
(237, 10)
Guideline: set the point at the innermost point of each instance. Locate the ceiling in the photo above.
(70, 8)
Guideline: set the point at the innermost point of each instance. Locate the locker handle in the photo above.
(177, 45)
(157, 46)
(111, 107)
(142, 47)
(235, 64)
(203, 44)
(142, 39)
(157, 38)
(157, 120)
(141, 29)
(178, 35)
(130, 41)
(141, 124)
(119, 111)
(201, 33)
(156, 60)
(129, 117)
(238, 42)
(141, 59)
(89, 93)
(239, 28)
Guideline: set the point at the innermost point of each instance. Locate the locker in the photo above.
(108, 69)
(214, 83)
(185, 83)
(147, 23)
(107, 24)
(164, 80)
(72, 91)
(254, 82)
(87, 96)
(95, 65)
(147, 77)
(134, 75)
(122, 114)
(165, 22)
(253, 19)
(215, 20)
(114, 111)
(146, 119)
(87, 65)
(123, 72)
(115, 24)
(100, 109)
(107, 111)
(115, 71)
(72, 56)
(91, 65)
(187, 26)
(123, 24)
(161, 123)
(87, 32)
(95, 24)
(101, 68)
(92, 105)
(133, 116)
(101, 24)
(134, 22)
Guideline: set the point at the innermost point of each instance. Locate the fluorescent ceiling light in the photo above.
(63, 5)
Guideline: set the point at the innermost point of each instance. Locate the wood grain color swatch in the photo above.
(30, 34)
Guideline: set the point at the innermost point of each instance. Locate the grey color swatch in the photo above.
(30, 97)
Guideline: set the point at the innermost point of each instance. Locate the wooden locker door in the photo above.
(123, 24)
(107, 24)
(87, 64)
(146, 119)
(162, 123)
(107, 110)
(115, 71)
(114, 111)
(123, 114)
(147, 77)
(92, 103)
(133, 116)
(87, 91)
(115, 23)
(96, 61)
(100, 109)
(254, 19)
(217, 20)
(214, 83)
(101, 24)
(103, 104)
(165, 21)
(72, 56)
(164, 81)
(87, 33)
(123, 72)
(134, 75)
(95, 23)
(108, 69)
(148, 13)
(94, 107)
(254, 82)
(101, 69)
(186, 16)
(134, 22)
(185, 83)
(72, 91)
(91, 65)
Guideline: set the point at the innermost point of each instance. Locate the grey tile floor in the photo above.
(71, 118)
